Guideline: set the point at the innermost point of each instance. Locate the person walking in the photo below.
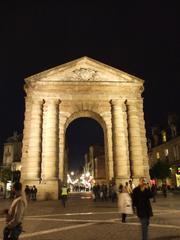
(114, 192)
(164, 189)
(64, 193)
(124, 203)
(34, 193)
(131, 185)
(27, 192)
(154, 191)
(15, 214)
(141, 200)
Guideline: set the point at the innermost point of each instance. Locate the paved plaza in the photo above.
(84, 219)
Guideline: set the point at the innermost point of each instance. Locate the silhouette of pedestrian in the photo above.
(141, 200)
(15, 214)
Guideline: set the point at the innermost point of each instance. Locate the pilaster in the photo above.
(50, 140)
(62, 121)
(31, 157)
(108, 145)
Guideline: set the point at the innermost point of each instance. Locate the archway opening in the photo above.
(84, 153)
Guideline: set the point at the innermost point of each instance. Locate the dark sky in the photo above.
(139, 37)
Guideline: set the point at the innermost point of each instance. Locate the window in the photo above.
(157, 155)
(166, 152)
(174, 153)
(177, 152)
(163, 136)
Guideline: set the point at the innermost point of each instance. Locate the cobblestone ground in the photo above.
(84, 219)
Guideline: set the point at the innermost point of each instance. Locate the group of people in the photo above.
(136, 200)
(31, 192)
(131, 200)
(106, 192)
(100, 192)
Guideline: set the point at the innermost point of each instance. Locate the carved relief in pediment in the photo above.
(86, 74)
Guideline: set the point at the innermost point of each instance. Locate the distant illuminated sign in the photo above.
(8, 185)
(178, 180)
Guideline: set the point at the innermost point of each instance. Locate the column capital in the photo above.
(53, 101)
(117, 102)
(131, 102)
(38, 101)
(141, 89)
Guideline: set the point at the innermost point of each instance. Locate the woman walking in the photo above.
(124, 203)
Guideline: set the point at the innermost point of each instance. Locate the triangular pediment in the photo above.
(83, 69)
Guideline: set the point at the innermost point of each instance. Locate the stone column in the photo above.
(25, 145)
(50, 140)
(135, 145)
(143, 137)
(62, 121)
(31, 156)
(120, 141)
(108, 144)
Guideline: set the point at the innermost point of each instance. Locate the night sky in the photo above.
(140, 38)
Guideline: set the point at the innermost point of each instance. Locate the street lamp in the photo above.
(87, 174)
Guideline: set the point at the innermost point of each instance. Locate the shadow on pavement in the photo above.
(167, 238)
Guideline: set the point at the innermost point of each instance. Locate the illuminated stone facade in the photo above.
(82, 88)
(168, 152)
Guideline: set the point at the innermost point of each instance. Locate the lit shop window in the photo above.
(175, 153)
(163, 133)
(157, 155)
(166, 152)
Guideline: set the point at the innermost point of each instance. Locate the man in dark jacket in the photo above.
(141, 201)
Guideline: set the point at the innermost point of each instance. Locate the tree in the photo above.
(160, 170)
(5, 176)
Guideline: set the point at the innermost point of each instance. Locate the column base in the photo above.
(46, 190)
(121, 180)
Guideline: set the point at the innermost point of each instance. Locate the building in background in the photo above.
(95, 163)
(165, 146)
(13, 152)
(10, 169)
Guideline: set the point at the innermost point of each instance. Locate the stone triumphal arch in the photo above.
(82, 88)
